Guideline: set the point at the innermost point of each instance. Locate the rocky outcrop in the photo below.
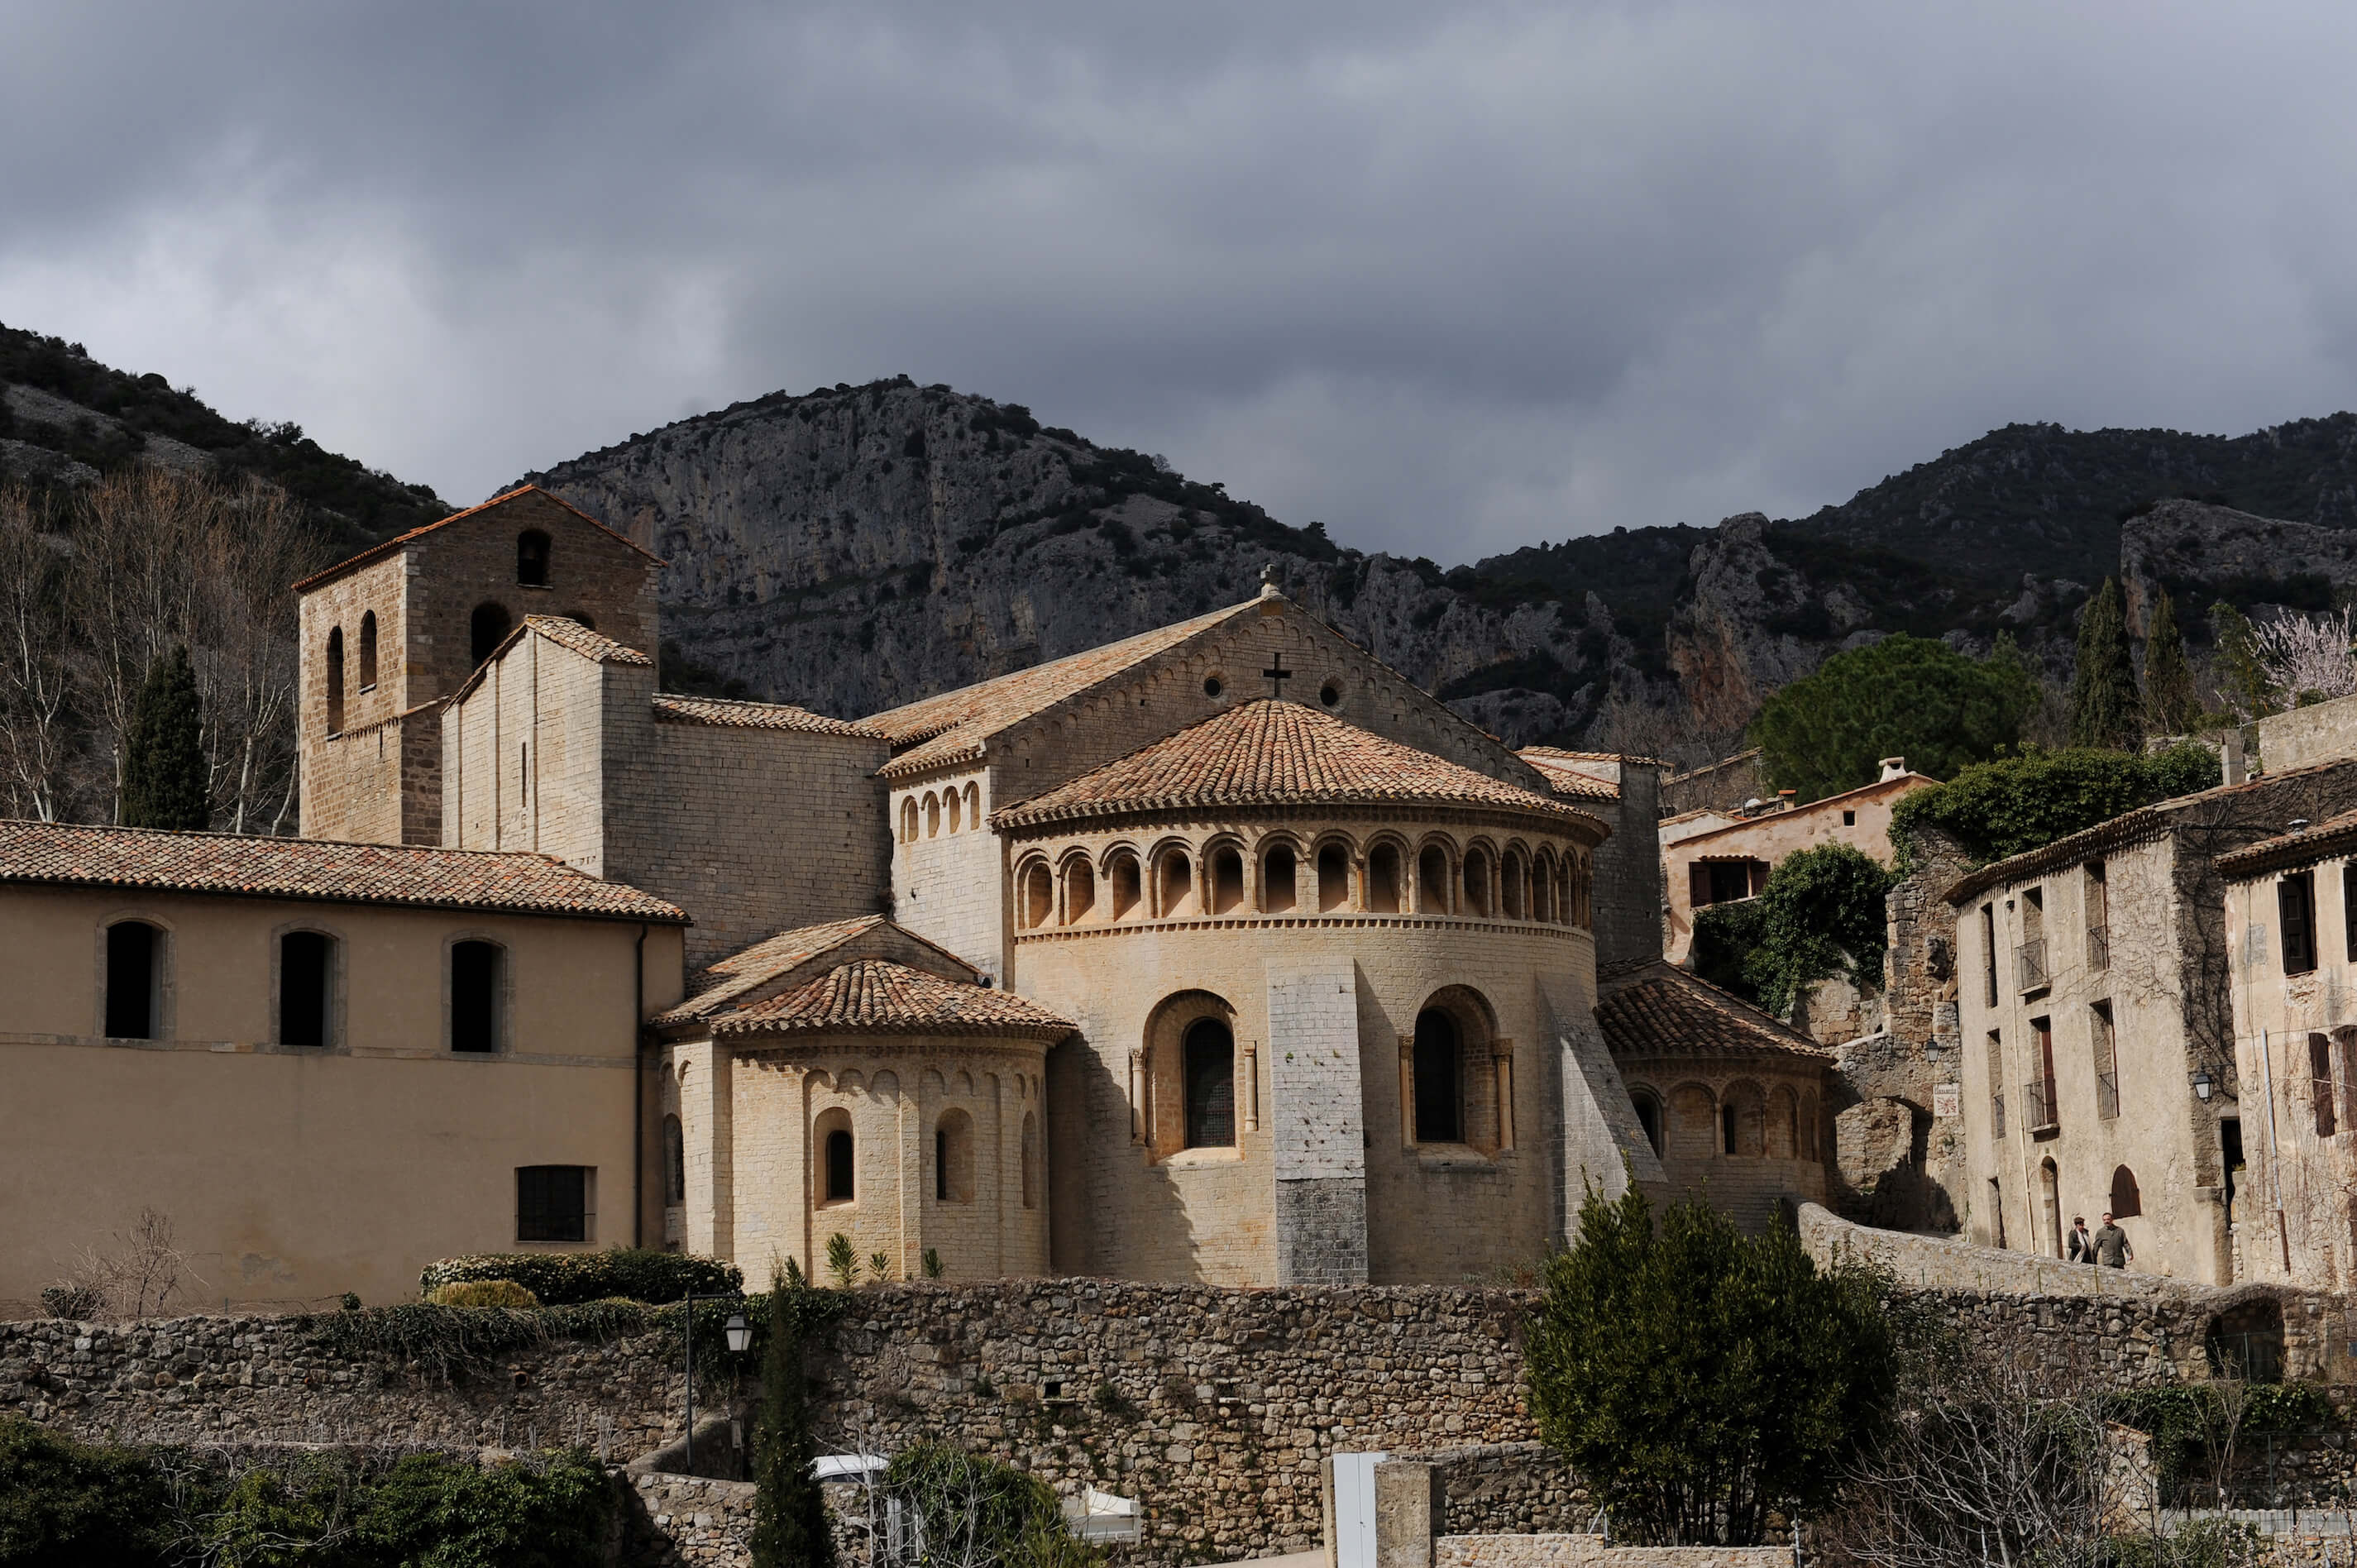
(2203, 554)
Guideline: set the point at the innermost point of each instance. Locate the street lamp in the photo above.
(2202, 1084)
(738, 1334)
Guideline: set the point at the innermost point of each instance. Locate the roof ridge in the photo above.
(385, 547)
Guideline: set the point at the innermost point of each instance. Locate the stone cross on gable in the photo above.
(1277, 676)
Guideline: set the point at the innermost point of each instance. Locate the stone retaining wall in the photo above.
(1590, 1552)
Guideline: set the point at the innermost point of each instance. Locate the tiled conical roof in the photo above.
(1271, 752)
(877, 996)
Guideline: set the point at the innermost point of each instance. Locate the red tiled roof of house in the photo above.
(673, 709)
(1275, 752)
(246, 865)
(1652, 1008)
(399, 542)
(877, 996)
(722, 984)
(1567, 781)
(953, 725)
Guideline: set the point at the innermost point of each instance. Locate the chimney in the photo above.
(1892, 767)
(1784, 798)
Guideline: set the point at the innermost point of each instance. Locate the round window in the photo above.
(1329, 693)
(1212, 686)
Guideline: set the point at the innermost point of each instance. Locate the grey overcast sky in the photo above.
(1451, 278)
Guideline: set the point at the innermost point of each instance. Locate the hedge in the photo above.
(565, 1279)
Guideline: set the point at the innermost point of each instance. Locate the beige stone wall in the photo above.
(1770, 838)
(294, 1174)
(1780, 1131)
(1129, 1202)
(2321, 733)
(350, 780)
(948, 866)
(523, 756)
(2161, 1131)
(754, 1118)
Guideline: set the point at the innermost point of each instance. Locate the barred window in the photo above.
(552, 1203)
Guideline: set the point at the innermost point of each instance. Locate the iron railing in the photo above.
(2029, 963)
(2099, 947)
(2107, 1095)
(2037, 1104)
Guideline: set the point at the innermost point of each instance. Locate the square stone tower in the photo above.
(388, 634)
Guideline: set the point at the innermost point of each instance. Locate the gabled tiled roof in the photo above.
(877, 996)
(717, 987)
(1556, 751)
(1275, 752)
(677, 709)
(953, 726)
(2332, 836)
(249, 865)
(1567, 781)
(1652, 1008)
(564, 631)
(400, 541)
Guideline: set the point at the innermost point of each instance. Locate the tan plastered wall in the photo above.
(294, 1174)
(753, 1118)
(2318, 732)
(948, 876)
(1129, 1203)
(2296, 1201)
(1770, 838)
(2160, 1125)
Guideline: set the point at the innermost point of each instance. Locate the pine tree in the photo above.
(2170, 704)
(2105, 710)
(790, 1522)
(166, 783)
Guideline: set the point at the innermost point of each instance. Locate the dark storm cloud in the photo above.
(1448, 278)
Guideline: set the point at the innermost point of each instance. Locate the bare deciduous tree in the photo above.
(35, 683)
(2307, 655)
(144, 1272)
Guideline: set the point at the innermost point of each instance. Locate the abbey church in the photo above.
(1221, 953)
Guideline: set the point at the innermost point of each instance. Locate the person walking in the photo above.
(2083, 1246)
(2112, 1249)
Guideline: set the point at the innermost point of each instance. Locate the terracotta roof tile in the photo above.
(1567, 781)
(566, 632)
(952, 726)
(1275, 752)
(717, 984)
(877, 996)
(1556, 751)
(246, 865)
(1650, 1008)
(2332, 836)
(402, 541)
(678, 710)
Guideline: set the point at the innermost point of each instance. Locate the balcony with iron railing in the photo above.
(2099, 947)
(2037, 1104)
(2030, 964)
(2107, 1095)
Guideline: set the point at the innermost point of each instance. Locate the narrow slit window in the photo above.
(1209, 1063)
(134, 949)
(367, 650)
(474, 996)
(531, 558)
(305, 977)
(336, 681)
(1439, 1113)
(839, 1166)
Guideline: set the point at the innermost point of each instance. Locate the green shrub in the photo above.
(561, 1279)
(2005, 808)
(435, 1512)
(1005, 1515)
(69, 1505)
(1903, 696)
(482, 1292)
(1723, 935)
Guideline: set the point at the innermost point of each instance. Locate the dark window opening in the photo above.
(487, 628)
(131, 953)
(1988, 950)
(1212, 686)
(1209, 1063)
(940, 1164)
(2348, 906)
(2296, 902)
(552, 1203)
(306, 959)
(1725, 881)
(2230, 1159)
(675, 1162)
(531, 558)
(474, 996)
(336, 680)
(2127, 1202)
(367, 650)
(2319, 1074)
(1329, 693)
(838, 1166)
(1438, 1115)
(1648, 1116)
(1726, 1130)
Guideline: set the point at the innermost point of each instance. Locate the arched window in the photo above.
(1439, 1102)
(1227, 879)
(1542, 889)
(367, 650)
(838, 1186)
(336, 680)
(1480, 892)
(1277, 873)
(1745, 1116)
(135, 980)
(1334, 878)
(1383, 879)
(1030, 1161)
(1783, 1125)
(1694, 1132)
(1209, 1052)
(307, 974)
(675, 1162)
(957, 810)
(475, 986)
(973, 806)
(1126, 885)
(1516, 881)
(1038, 896)
(487, 628)
(1648, 1116)
(2127, 1202)
(1432, 881)
(1080, 889)
(932, 815)
(954, 1158)
(909, 820)
(531, 558)
(1174, 884)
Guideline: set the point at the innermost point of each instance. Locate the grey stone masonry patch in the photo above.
(1317, 1122)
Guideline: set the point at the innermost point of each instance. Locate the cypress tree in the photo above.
(2170, 702)
(2105, 710)
(790, 1523)
(166, 783)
